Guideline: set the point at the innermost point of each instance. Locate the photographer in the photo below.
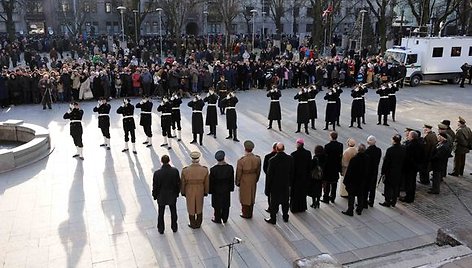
(45, 86)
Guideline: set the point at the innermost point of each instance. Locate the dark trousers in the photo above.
(459, 164)
(147, 130)
(351, 200)
(175, 122)
(371, 186)
(391, 194)
(78, 140)
(380, 118)
(437, 175)
(329, 190)
(213, 129)
(128, 133)
(278, 123)
(274, 209)
(105, 132)
(173, 217)
(221, 214)
(410, 185)
(424, 173)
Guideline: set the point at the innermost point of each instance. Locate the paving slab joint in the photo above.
(446, 237)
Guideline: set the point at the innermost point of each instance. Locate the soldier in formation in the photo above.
(146, 118)
(127, 110)
(75, 114)
(103, 109)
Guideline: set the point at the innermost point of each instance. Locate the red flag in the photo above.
(328, 11)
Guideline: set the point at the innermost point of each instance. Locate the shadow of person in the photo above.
(72, 231)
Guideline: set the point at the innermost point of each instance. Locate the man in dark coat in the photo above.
(280, 174)
(221, 186)
(197, 105)
(302, 169)
(302, 110)
(334, 154)
(75, 114)
(211, 116)
(103, 110)
(274, 111)
(439, 156)
(383, 108)
(355, 179)
(461, 147)
(165, 189)
(231, 117)
(430, 141)
(374, 153)
(146, 118)
(166, 120)
(265, 166)
(392, 169)
(127, 110)
(392, 99)
(413, 160)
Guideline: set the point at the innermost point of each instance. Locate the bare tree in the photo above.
(72, 17)
(379, 9)
(9, 8)
(228, 11)
(248, 5)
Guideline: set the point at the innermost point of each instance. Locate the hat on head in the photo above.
(442, 126)
(220, 155)
(300, 141)
(427, 126)
(444, 135)
(249, 145)
(461, 120)
(195, 155)
(408, 129)
(446, 122)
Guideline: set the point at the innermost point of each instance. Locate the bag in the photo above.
(317, 173)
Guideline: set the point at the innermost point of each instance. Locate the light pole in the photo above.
(122, 11)
(136, 25)
(206, 27)
(159, 10)
(263, 22)
(363, 11)
(254, 12)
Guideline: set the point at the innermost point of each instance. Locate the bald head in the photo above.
(280, 147)
(371, 140)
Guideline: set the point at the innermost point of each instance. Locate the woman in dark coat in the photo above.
(274, 111)
(314, 185)
(221, 185)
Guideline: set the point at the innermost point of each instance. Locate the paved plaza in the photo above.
(63, 212)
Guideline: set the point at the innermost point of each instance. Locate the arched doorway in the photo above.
(191, 28)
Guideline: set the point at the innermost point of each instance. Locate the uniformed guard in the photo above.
(197, 105)
(383, 106)
(337, 89)
(231, 117)
(274, 111)
(103, 109)
(211, 116)
(357, 105)
(175, 100)
(146, 118)
(392, 99)
(127, 110)
(75, 116)
(302, 110)
(312, 110)
(166, 121)
(331, 109)
(222, 88)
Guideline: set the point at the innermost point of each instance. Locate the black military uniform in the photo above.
(222, 88)
(357, 106)
(274, 110)
(103, 110)
(331, 109)
(75, 116)
(383, 107)
(229, 103)
(166, 120)
(211, 115)
(127, 110)
(338, 92)
(392, 99)
(146, 119)
(197, 105)
(221, 185)
(312, 110)
(302, 110)
(176, 101)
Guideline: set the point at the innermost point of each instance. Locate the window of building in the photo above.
(437, 52)
(456, 51)
(65, 6)
(108, 7)
(470, 51)
(90, 6)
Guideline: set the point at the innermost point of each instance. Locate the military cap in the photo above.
(442, 126)
(220, 155)
(195, 155)
(408, 129)
(446, 122)
(427, 126)
(461, 120)
(249, 145)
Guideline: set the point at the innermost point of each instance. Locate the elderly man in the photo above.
(165, 189)
(334, 153)
(461, 147)
(439, 156)
(392, 171)
(355, 178)
(194, 186)
(374, 153)
(430, 141)
(265, 165)
(302, 169)
(348, 154)
(413, 159)
(248, 170)
(221, 186)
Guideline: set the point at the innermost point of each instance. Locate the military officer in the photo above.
(127, 110)
(357, 105)
(103, 109)
(75, 114)
(211, 116)
(221, 186)
(442, 128)
(175, 100)
(274, 111)
(331, 109)
(439, 157)
(222, 89)
(312, 111)
(383, 106)
(166, 120)
(197, 105)
(392, 99)
(146, 118)
(338, 92)
(430, 140)
(462, 144)
(248, 170)
(194, 186)
(302, 110)
(231, 117)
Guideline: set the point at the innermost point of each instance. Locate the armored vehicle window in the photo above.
(412, 58)
(456, 52)
(437, 52)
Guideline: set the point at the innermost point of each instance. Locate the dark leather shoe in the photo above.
(452, 174)
(215, 221)
(432, 192)
(285, 218)
(267, 210)
(358, 211)
(174, 230)
(348, 213)
(161, 231)
(385, 204)
(371, 204)
(269, 220)
(325, 201)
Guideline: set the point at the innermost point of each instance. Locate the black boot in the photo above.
(313, 124)
(352, 122)
(201, 138)
(385, 121)
(298, 128)
(306, 129)
(379, 118)
(359, 123)
(363, 119)
(235, 136)
(280, 125)
(230, 136)
(194, 138)
(326, 127)
(270, 124)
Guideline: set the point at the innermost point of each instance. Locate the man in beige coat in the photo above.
(248, 170)
(194, 186)
(349, 153)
